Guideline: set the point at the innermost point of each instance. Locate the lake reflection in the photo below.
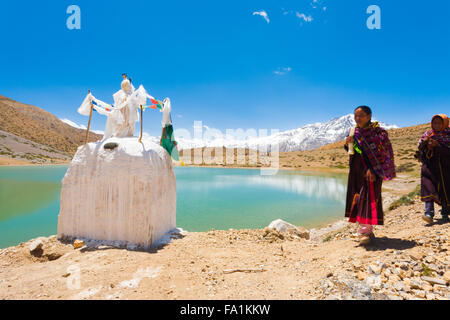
(306, 185)
(239, 198)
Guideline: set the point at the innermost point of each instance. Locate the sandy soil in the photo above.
(7, 161)
(243, 264)
(10, 162)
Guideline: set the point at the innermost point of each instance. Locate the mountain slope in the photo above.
(34, 124)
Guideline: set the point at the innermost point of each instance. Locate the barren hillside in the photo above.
(27, 128)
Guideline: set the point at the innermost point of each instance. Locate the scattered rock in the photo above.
(417, 256)
(430, 296)
(374, 282)
(427, 287)
(78, 244)
(404, 266)
(398, 286)
(350, 288)
(415, 284)
(435, 280)
(394, 278)
(36, 246)
(110, 145)
(53, 256)
(420, 294)
(446, 276)
(362, 275)
(375, 269)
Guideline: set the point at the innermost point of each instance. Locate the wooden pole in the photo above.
(142, 120)
(89, 124)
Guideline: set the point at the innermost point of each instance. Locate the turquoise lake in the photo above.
(206, 198)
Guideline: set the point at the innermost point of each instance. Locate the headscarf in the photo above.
(443, 136)
(374, 142)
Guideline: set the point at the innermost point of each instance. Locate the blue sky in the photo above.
(220, 63)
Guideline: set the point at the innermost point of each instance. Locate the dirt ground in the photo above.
(244, 264)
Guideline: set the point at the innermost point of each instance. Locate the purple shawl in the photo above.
(443, 137)
(374, 142)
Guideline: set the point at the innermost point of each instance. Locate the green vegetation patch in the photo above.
(406, 199)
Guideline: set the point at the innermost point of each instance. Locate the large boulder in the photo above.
(283, 226)
(125, 194)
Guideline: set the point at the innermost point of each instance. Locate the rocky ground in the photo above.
(408, 260)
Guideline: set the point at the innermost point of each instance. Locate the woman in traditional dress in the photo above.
(371, 162)
(434, 153)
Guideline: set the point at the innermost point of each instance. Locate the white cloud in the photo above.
(282, 71)
(263, 14)
(305, 18)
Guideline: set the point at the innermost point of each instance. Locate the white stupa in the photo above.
(124, 193)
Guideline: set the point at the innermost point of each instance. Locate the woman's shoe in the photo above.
(366, 239)
(428, 218)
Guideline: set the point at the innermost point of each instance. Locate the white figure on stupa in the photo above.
(122, 120)
(123, 115)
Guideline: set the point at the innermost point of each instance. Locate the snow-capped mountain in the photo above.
(309, 137)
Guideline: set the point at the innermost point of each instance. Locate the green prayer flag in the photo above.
(168, 142)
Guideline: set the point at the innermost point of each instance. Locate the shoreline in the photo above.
(312, 169)
(407, 260)
(34, 165)
(12, 162)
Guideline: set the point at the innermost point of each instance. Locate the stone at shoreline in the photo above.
(35, 246)
(283, 226)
